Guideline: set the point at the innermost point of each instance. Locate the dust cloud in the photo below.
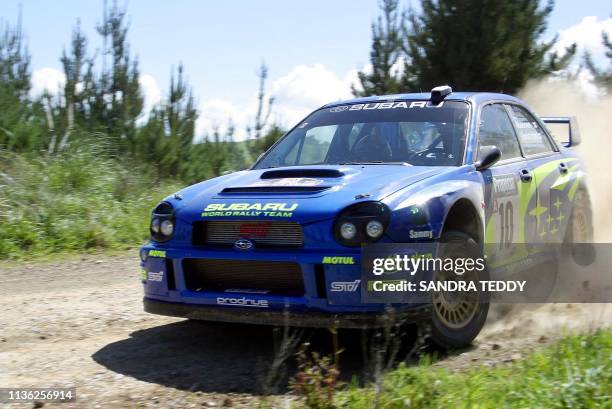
(552, 97)
(594, 114)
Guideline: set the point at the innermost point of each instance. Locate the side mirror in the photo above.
(489, 156)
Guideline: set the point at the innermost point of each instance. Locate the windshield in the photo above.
(413, 132)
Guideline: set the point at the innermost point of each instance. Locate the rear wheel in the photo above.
(458, 316)
(579, 234)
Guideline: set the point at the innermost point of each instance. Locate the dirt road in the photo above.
(80, 323)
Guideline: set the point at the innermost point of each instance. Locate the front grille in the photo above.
(265, 233)
(267, 277)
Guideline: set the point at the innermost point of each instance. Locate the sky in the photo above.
(313, 49)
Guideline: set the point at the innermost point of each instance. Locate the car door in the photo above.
(548, 211)
(505, 184)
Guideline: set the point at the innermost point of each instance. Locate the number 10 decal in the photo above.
(506, 223)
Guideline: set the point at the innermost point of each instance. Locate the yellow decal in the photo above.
(338, 260)
(157, 253)
(249, 209)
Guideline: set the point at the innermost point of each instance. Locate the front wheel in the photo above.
(458, 316)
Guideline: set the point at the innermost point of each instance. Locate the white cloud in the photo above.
(297, 93)
(309, 86)
(151, 90)
(587, 36)
(216, 113)
(47, 79)
(306, 88)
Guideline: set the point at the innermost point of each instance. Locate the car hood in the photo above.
(298, 193)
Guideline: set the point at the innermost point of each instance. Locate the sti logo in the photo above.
(345, 286)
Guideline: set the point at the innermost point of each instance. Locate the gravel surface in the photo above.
(80, 324)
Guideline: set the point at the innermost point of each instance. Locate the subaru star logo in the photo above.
(339, 109)
(243, 244)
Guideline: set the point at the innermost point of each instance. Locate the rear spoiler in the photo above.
(564, 129)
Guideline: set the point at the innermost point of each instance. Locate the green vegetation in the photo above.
(575, 373)
(77, 200)
(601, 76)
(471, 45)
(83, 166)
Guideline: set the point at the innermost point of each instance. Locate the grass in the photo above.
(74, 202)
(575, 373)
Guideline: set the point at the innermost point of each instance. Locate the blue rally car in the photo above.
(281, 242)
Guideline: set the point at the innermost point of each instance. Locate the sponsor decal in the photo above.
(423, 234)
(338, 260)
(249, 209)
(257, 229)
(242, 302)
(143, 274)
(345, 286)
(155, 276)
(387, 105)
(289, 182)
(157, 253)
(504, 185)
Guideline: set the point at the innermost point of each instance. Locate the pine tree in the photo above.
(72, 110)
(180, 115)
(385, 52)
(20, 128)
(266, 141)
(482, 45)
(264, 106)
(119, 100)
(181, 112)
(167, 137)
(601, 77)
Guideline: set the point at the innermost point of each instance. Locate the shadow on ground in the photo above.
(221, 358)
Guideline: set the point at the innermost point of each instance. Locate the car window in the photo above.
(532, 137)
(316, 144)
(496, 130)
(414, 132)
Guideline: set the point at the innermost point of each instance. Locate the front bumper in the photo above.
(331, 294)
(289, 318)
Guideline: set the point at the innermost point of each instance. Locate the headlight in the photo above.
(361, 223)
(162, 222)
(143, 254)
(348, 231)
(155, 225)
(374, 229)
(167, 228)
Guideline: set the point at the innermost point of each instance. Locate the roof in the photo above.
(476, 97)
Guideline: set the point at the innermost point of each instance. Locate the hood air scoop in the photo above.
(301, 173)
(288, 181)
(295, 190)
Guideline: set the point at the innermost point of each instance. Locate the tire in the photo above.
(457, 319)
(579, 233)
